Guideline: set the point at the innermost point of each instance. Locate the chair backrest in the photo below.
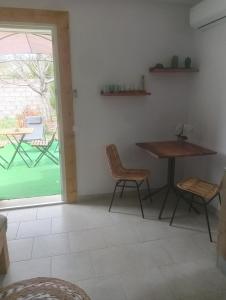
(221, 183)
(35, 122)
(52, 138)
(114, 159)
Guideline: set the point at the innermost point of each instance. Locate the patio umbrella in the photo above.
(25, 43)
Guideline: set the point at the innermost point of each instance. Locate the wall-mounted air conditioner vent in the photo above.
(207, 13)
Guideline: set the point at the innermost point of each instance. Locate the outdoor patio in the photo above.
(19, 181)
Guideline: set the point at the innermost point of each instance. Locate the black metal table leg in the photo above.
(170, 183)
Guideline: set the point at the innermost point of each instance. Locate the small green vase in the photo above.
(175, 62)
(187, 62)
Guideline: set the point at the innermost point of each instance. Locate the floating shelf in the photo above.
(171, 70)
(126, 93)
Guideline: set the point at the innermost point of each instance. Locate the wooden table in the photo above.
(171, 150)
(16, 137)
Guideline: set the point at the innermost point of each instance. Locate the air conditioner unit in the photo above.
(207, 12)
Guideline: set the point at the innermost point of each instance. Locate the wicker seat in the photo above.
(123, 175)
(40, 143)
(199, 190)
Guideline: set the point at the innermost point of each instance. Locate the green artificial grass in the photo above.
(22, 182)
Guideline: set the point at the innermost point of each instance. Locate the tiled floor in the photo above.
(14, 203)
(116, 255)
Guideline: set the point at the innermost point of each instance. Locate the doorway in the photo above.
(29, 162)
(58, 28)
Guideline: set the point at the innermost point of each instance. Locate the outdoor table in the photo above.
(16, 137)
(172, 150)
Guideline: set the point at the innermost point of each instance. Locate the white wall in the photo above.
(117, 41)
(207, 109)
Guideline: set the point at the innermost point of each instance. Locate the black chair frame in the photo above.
(45, 151)
(3, 162)
(122, 183)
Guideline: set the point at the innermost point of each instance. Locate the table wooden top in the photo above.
(16, 131)
(170, 149)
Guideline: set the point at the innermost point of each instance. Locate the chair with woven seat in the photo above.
(199, 190)
(123, 175)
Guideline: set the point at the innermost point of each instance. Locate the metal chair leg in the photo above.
(57, 147)
(174, 212)
(164, 203)
(219, 197)
(3, 162)
(190, 207)
(149, 190)
(208, 223)
(113, 196)
(139, 197)
(122, 191)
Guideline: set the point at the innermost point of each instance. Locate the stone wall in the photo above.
(15, 99)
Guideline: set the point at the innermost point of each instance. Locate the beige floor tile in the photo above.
(50, 245)
(20, 249)
(117, 260)
(34, 228)
(72, 266)
(89, 239)
(104, 288)
(119, 235)
(26, 269)
(12, 230)
(19, 215)
(146, 285)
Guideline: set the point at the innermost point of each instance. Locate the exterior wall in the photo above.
(15, 99)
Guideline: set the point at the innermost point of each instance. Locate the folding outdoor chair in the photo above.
(56, 150)
(44, 146)
(51, 128)
(36, 123)
(3, 162)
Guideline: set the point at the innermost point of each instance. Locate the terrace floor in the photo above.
(116, 255)
(19, 181)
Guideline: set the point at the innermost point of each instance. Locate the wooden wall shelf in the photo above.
(171, 70)
(126, 93)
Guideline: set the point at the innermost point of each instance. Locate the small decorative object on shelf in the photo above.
(174, 67)
(159, 66)
(143, 88)
(123, 90)
(182, 131)
(175, 62)
(187, 62)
